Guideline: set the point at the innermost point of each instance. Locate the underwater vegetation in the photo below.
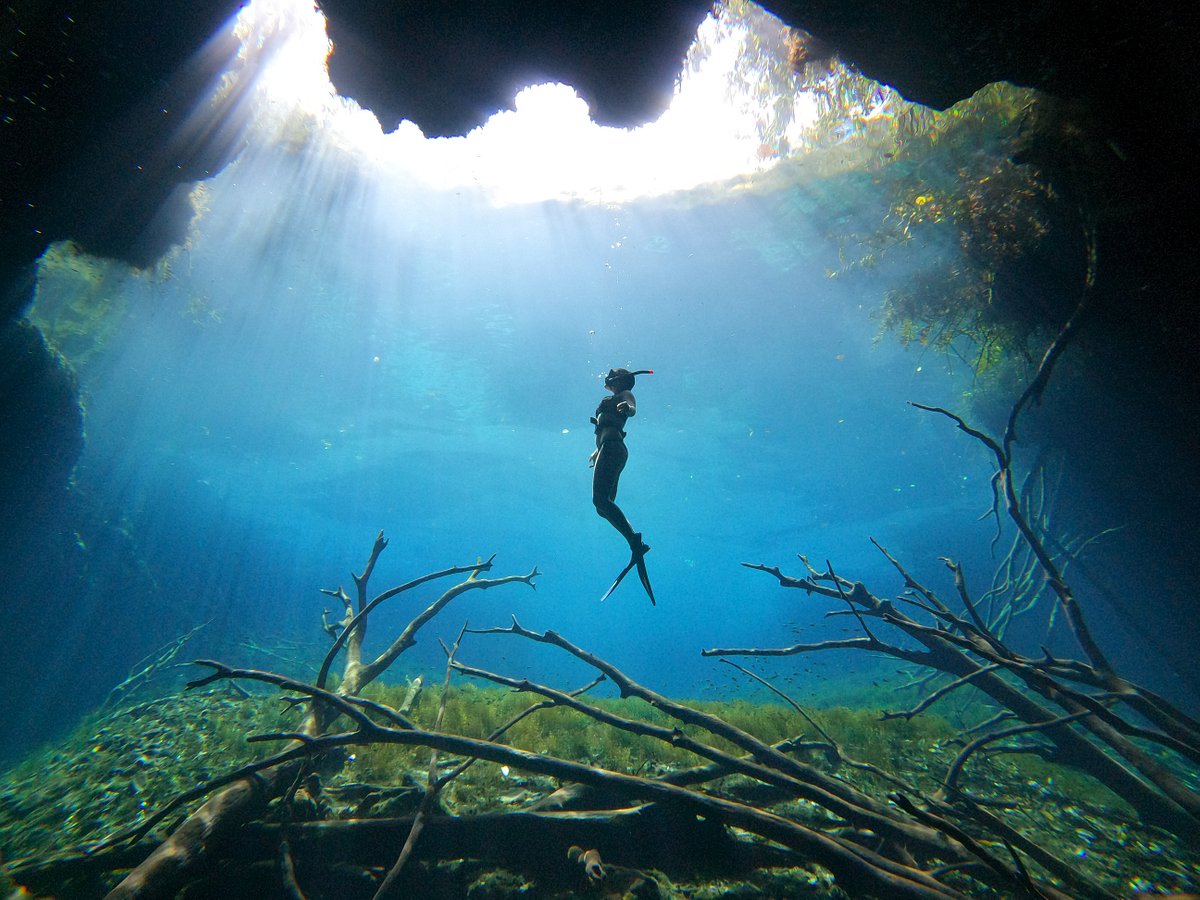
(1001, 249)
(1065, 779)
(145, 753)
(989, 307)
(119, 762)
(83, 300)
(90, 305)
(996, 223)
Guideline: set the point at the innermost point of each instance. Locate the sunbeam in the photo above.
(545, 147)
(363, 328)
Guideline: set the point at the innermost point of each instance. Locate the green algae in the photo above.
(122, 763)
(119, 765)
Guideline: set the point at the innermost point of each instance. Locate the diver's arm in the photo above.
(626, 405)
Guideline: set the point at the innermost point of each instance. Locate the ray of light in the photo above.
(546, 147)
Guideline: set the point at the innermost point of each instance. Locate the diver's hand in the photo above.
(624, 408)
(592, 458)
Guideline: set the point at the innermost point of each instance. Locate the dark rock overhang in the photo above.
(83, 87)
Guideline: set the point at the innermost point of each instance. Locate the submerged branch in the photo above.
(323, 675)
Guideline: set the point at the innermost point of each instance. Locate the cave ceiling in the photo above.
(84, 82)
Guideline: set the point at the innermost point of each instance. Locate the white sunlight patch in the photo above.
(546, 148)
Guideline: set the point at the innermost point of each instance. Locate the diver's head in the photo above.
(618, 380)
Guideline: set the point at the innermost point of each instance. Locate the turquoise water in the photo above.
(333, 352)
(435, 381)
(338, 348)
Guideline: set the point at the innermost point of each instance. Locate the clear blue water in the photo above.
(333, 353)
(432, 374)
(338, 348)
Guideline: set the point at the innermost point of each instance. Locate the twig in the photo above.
(941, 692)
(960, 583)
(1037, 386)
(432, 785)
(788, 700)
(856, 867)
(1159, 796)
(407, 637)
(500, 730)
(773, 767)
(287, 866)
(151, 665)
(942, 824)
(832, 750)
(951, 780)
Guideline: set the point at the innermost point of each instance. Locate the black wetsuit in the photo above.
(610, 461)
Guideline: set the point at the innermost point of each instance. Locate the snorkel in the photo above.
(618, 376)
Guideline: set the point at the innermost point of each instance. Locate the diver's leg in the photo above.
(609, 465)
(610, 462)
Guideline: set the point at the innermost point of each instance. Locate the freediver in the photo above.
(608, 460)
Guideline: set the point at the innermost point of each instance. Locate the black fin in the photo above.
(636, 558)
(645, 576)
(613, 587)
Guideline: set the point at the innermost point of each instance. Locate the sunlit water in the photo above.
(368, 331)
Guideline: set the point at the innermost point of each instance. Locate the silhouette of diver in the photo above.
(609, 460)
